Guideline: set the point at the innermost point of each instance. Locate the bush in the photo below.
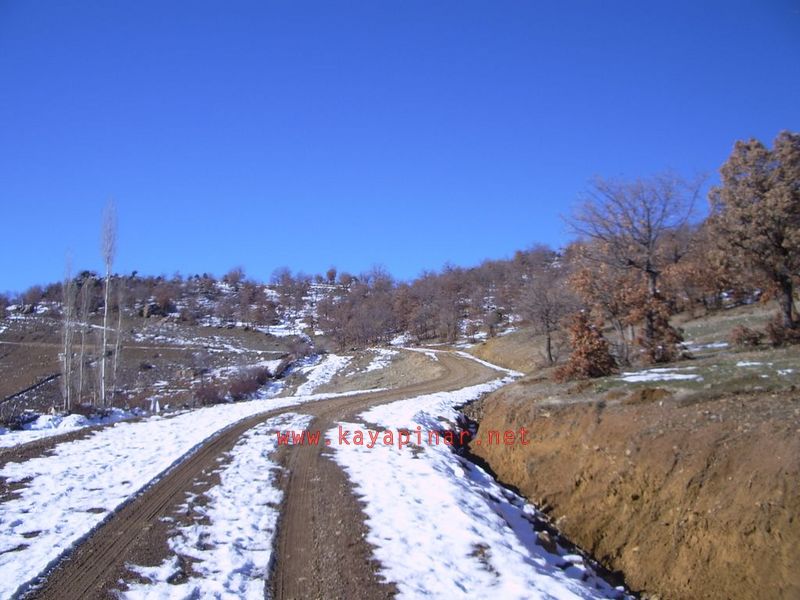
(744, 337)
(208, 393)
(664, 345)
(590, 356)
(247, 384)
(262, 375)
(242, 387)
(780, 335)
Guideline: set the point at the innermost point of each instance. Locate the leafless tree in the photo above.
(108, 247)
(118, 336)
(83, 318)
(545, 299)
(68, 308)
(630, 220)
(234, 277)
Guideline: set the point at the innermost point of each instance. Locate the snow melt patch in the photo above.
(427, 352)
(661, 374)
(747, 363)
(441, 526)
(233, 550)
(383, 357)
(49, 425)
(321, 373)
(691, 347)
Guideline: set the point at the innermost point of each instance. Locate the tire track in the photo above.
(320, 551)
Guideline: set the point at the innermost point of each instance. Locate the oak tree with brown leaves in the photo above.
(756, 213)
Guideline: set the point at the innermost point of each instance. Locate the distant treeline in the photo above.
(639, 256)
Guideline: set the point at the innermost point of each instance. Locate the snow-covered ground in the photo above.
(49, 425)
(321, 373)
(233, 544)
(750, 363)
(70, 491)
(426, 351)
(441, 526)
(692, 347)
(271, 365)
(382, 359)
(661, 374)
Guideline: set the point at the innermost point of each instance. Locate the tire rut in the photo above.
(320, 549)
(321, 546)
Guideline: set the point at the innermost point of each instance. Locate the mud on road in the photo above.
(320, 547)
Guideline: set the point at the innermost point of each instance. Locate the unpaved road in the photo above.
(320, 549)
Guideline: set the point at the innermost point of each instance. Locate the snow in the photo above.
(49, 425)
(426, 351)
(383, 357)
(321, 373)
(271, 365)
(747, 363)
(401, 340)
(462, 534)
(233, 542)
(80, 483)
(486, 363)
(691, 347)
(661, 374)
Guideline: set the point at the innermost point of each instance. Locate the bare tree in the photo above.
(68, 309)
(545, 299)
(83, 318)
(630, 221)
(118, 336)
(108, 247)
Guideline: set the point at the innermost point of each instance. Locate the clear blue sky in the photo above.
(402, 133)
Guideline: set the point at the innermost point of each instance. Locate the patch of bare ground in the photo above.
(162, 358)
(690, 498)
(521, 350)
(406, 368)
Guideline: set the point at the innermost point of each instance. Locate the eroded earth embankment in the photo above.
(693, 500)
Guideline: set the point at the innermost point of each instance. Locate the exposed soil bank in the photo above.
(689, 501)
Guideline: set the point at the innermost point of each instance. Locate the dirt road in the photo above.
(320, 552)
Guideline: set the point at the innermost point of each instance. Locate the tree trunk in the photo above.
(649, 321)
(105, 342)
(548, 348)
(786, 300)
(117, 341)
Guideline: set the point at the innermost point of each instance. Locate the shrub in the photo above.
(780, 335)
(242, 387)
(247, 383)
(262, 375)
(590, 356)
(664, 343)
(208, 393)
(744, 337)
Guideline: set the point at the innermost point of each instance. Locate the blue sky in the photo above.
(402, 133)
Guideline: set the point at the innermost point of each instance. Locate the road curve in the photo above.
(320, 551)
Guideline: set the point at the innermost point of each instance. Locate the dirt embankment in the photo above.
(692, 501)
